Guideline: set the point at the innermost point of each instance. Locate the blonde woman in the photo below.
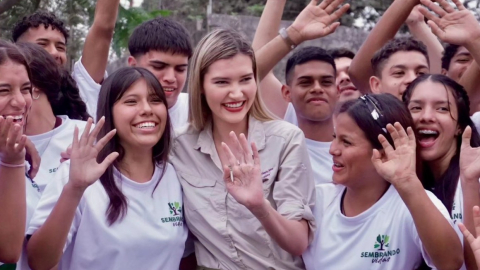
(247, 180)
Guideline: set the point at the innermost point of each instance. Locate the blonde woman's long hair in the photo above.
(217, 45)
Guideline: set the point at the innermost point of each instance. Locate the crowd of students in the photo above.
(358, 161)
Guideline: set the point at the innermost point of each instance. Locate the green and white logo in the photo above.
(382, 241)
(176, 217)
(382, 253)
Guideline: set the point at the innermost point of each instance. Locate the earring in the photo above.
(35, 98)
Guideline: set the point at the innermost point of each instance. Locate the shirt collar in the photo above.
(256, 133)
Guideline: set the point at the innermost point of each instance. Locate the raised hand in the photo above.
(316, 21)
(415, 16)
(35, 156)
(472, 240)
(469, 158)
(84, 168)
(398, 165)
(244, 169)
(452, 26)
(12, 142)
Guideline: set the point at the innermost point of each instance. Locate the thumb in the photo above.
(466, 137)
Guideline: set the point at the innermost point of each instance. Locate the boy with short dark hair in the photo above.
(46, 30)
(343, 59)
(163, 47)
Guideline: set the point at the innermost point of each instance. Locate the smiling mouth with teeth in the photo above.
(168, 89)
(16, 118)
(234, 105)
(427, 136)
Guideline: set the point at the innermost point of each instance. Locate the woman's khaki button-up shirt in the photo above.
(229, 236)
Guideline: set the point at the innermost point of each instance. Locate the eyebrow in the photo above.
(464, 54)
(436, 102)
(4, 85)
(158, 62)
(312, 77)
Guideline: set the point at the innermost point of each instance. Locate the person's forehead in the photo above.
(314, 69)
(410, 59)
(342, 63)
(462, 51)
(35, 33)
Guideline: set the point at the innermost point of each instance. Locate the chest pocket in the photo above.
(199, 192)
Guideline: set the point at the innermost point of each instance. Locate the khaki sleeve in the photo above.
(294, 189)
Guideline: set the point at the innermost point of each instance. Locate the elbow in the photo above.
(299, 248)
(454, 262)
(9, 256)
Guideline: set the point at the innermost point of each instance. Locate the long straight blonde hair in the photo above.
(217, 45)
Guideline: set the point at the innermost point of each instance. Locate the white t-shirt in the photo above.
(88, 88)
(320, 157)
(476, 120)
(49, 146)
(383, 237)
(179, 112)
(150, 236)
(321, 161)
(291, 115)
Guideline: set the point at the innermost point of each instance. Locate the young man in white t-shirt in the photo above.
(310, 94)
(163, 47)
(48, 31)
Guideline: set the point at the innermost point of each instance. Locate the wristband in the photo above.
(8, 165)
(283, 33)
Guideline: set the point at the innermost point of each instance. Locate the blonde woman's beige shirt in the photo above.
(229, 236)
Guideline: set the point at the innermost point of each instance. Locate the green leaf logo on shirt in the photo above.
(382, 241)
(175, 208)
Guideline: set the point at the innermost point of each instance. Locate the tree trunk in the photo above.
(7, 4)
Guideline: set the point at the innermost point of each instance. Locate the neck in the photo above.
(137, 165)
(40, 119)
(221, 130)
(320, 131)
(359, 199)
(440, 166)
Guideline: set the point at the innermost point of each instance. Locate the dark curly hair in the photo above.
(448, 54)
(35, 20)
(55, 82)
(341, 52)
(406, 44)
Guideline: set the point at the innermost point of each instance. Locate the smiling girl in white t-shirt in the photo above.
(132, 217)
(378, 216)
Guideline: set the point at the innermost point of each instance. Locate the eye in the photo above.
(345, 142)
(334, 135)
(422, 72)
(443, 109)
(181, 69)
(155, 100)
(130, 101)
(60, 49)
(327, 83)
(221, 82)
(4, 91)
(26, 90)
(246, 79)
(158, 67)
(415, 108)
(398, 73)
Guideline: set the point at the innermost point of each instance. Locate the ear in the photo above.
(286, 93)
(444, 71)
(375, 84)
(458, 132)
(132, 61)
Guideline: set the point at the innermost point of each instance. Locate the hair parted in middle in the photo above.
(217, 45)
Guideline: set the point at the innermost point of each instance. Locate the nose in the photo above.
(334, 150)
(317, 88)
(169, 75)
(146, 108)
(343, 78)
(18, 100)
(427, 115)
(52, 50)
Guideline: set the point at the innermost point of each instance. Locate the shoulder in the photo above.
(282, 128)
(185, 132)
(183, 98)
(326, 194)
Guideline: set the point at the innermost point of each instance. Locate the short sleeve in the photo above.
(294, 190)
(89, 89)
(291, 115)
(47, 202)
(476, 120)
(443, 210)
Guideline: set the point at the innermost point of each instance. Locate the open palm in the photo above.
(316, 21)
(452, 26)
(473, 241)
(84, 168)
(12, 142)
(469, 157)
(246, 187)
(398, 164)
